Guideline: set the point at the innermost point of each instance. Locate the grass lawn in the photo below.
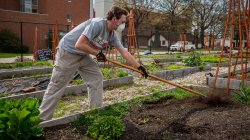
(9, 55)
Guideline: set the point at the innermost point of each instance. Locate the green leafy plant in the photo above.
(107, 73)
(116, 110)
(9, 41)
(121, 73)
(107, 123)
(88, 120)
(106, 128)
(243, 95)
(153, 67)
(19, 119)
(146, 119)
(202, 67)
(78, 82)
(178, 55)
(193, 59)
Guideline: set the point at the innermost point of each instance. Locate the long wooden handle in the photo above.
(155, 77)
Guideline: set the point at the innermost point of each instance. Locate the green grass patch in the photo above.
(69, 104)
(212, 59)
(10, 55)
(154, 67)
(174, 67)
(177, 94)
(38, 75)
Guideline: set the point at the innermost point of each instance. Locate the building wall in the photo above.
(59, 9)
(102, 7)
(49, 12)
(15, 18)
(10, 5)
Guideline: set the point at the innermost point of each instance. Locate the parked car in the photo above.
(178, 46)
(147, 52)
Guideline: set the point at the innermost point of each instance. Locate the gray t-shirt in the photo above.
(96, 30)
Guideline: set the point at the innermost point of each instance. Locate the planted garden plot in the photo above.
(37, 83)
(117, 94)
(173, 70)
(20, 69)
(163, 115)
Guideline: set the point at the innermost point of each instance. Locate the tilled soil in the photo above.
(188, 119)
(193, 118)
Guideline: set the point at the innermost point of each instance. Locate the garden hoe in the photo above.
(155, 77)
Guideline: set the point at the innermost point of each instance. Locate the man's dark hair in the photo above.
(116, 12)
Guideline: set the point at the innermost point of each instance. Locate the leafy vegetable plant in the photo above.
(19, 119)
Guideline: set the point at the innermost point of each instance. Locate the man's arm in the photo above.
(129, 58)
(83, 45)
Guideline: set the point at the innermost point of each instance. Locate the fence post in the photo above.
(21, 41)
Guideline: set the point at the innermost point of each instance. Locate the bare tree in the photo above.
(142, 9)
(209, 16)
(177, 14)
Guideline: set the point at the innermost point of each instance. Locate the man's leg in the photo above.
(91, 74)
(65, 67)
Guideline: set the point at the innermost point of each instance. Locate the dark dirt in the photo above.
(195, 118)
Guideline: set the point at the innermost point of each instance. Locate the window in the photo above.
(163, 42)
(30, 6)
(34, 6)
(69, 18)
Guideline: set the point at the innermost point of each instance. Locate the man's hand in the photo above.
(143, 69)
(101, 57)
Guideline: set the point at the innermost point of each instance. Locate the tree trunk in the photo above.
(202, 37)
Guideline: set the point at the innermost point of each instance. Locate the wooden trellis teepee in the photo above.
(132, 41)
(237, 23)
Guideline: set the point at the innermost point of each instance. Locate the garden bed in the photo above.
(223, 64)
(174, 115)
(21, 72)
(74, 89)
(222, 80)
(40, 82)
(172, 74)
(27, 71)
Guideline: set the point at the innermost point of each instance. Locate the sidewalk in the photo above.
(12, 59)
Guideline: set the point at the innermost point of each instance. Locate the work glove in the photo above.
(143, 69)
(101, 57)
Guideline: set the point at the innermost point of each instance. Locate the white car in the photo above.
(178, 46)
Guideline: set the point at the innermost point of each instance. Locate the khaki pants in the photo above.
(65, 66)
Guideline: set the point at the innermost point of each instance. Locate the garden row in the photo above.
(93, 120)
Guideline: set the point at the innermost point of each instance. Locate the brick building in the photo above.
(23, 16)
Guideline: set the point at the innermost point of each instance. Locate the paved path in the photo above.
(12, 59)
